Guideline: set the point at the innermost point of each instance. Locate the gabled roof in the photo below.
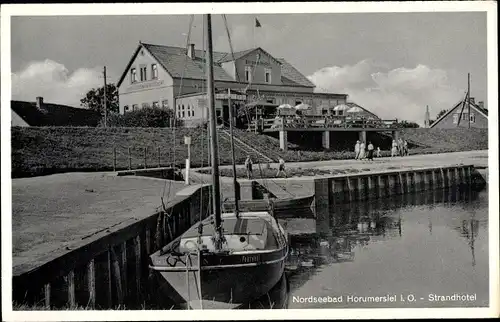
(54, 114)
(292, 75)
(178, 64)
(352, 104)
(474, 106)
(237, 55)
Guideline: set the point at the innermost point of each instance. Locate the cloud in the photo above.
(54, 83)
(399, 93)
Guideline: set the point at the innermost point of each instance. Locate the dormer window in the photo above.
(154, 71)
(268, 75)
(133, 75)
(248, 74)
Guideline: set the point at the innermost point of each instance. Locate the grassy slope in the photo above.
(44, 150)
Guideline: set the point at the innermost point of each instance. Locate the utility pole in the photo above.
(105, 101)
(468, 95)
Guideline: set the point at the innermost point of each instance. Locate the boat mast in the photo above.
(213, 132)
(235, 183)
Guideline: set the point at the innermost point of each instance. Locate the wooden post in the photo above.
(129, 159)
(145, 157)
(349, 188)
(114, 158)
(46, 289)
(91, 283)
(117, 276)
(159, 159)
(148, 241)
(379, 186)
(71, 289)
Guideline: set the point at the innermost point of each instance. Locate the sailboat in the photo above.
(228, 259)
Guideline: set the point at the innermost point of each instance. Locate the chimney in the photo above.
(191, 52)
(481, 104)
(471, 100)
(39, 103)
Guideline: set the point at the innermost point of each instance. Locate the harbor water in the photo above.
(418, 250)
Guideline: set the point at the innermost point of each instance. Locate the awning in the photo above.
(355, 109)
(341, 107)
(302, 106)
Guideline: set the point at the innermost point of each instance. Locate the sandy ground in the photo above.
(50, 212)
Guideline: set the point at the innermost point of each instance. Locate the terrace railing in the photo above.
(321, 122)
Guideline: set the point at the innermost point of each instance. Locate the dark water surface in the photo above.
(402, 252)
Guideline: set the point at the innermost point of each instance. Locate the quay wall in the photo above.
(340, 189)
(110, 269)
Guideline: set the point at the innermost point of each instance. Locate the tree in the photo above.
(406, 124)
(442, 112)
(94, 99)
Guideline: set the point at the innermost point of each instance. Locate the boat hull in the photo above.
(229, 287)
(283, 208)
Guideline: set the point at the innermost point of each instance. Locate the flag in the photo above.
(257, 23)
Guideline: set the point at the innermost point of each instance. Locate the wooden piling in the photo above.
(401, 184)
(433, 182)
(117, 276)
(138, 263)
(124, 268)
(71, 288)
(109, 281)
(91, 283)
(47, 293)
(379, 186)
(349, 188)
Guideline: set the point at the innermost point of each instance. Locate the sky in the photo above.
(394, 64)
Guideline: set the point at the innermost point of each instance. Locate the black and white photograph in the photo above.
(182, 161)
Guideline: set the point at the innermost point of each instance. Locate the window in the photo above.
(298, 102)
(145, 105)
(164, 104)
(125, 108)
(154, 71)
(192, 113)
(156, 104)
(248, 73)
(183, 107)
(133, 75)
(472, 118)
(268, 75)
(464, 116)
(143, 73)
(270, 101)
(178, 114)
(135, 107)
(183, 114)
(455, 118)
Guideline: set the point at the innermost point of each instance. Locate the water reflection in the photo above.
(404, 249)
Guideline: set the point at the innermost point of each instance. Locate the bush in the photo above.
(146, 117)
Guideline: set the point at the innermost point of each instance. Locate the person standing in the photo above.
(400, 147)
(378, 152)
(370, 151)
(362, 150)
(248, 166)
(356, 150)
(394, 149)
(405, 147)
(281, 167)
